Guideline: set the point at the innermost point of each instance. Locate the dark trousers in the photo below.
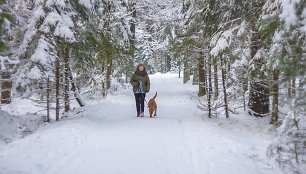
(139, 97)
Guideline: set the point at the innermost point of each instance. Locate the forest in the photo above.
(240, 62)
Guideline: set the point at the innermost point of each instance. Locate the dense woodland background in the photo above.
(243, 55)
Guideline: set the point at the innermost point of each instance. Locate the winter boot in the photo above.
(142, 114)
(138, 114)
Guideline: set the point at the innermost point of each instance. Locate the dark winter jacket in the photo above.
(145, 80)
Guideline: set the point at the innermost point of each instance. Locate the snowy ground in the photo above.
(108, 138)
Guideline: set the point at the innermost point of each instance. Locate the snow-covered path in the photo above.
(110, 139)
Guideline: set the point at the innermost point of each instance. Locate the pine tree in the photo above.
(5, 22)
(186, 72)
(223, 63)
(202, 75)
(259, 89)
(5, 57)
(282, 27)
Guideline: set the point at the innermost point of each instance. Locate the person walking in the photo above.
(141, 85)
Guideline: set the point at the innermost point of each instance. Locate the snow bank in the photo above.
(12, 127)
(21, 107)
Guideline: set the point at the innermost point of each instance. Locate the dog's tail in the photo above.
(155, 96)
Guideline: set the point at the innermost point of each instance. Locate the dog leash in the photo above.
(144, 98)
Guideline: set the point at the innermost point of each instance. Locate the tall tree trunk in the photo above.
(66, 86)
(41, 90)
(244, 103)
(186, 72)
(223, 64)
(168, 63)
(259, 98)
(180, 67)
(228, 66)
(109, 73)
(195, 79)
(293, 86)
(162, 61)
(216, 78)
(75, 90)
(130, 67)
(155, 51)
(6, 87)
(57, 87)
(289, 88)
(245, 88)
(108, 55)
(245, 82)
(48, 99)
(206, 75)
(103, 81)
(210, 86)
(133, 28)
(275, 87)
(259, 90)
(202, 75)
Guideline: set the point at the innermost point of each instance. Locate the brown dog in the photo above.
(152, 106)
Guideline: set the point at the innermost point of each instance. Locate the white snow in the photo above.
(12, 127)
(38, 2)
(86, 3)
(289, 12)
(63, 28)
(63, 23)
(60, 3)
(220, 46)
(220, 42)
(31, 31)
(64, 32)
(35, 73)
(2, 61)
(51, 20)
(41, 54)
(108, 138)
(304, 20)
(38, 13)
(21, 107)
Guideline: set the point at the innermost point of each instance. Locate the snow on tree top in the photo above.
(86, 3)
